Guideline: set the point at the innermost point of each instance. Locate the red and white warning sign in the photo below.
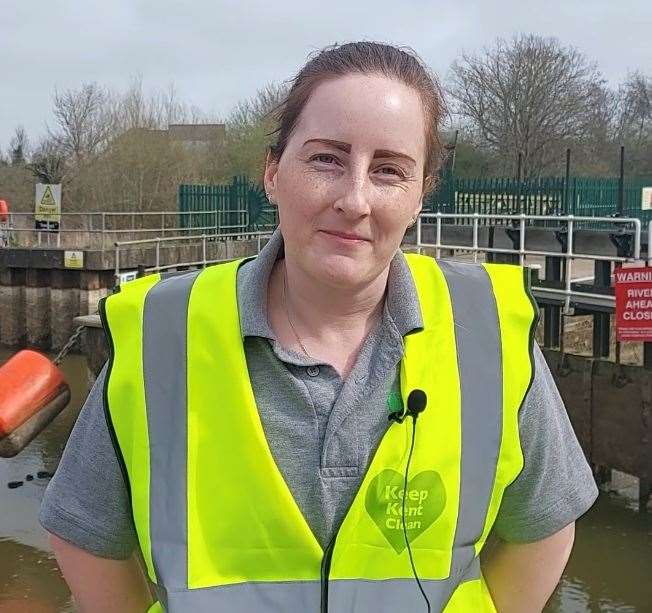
(633, 303)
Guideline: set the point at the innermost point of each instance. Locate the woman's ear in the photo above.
(269, 177)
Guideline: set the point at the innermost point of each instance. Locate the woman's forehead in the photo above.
(364, 110)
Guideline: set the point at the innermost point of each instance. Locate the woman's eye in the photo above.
(391, 171)
(324, 158)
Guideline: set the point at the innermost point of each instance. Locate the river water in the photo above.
(610, 569)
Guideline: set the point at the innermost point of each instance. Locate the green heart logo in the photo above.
(424, 503)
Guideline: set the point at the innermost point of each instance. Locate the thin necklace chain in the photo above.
(287, 313)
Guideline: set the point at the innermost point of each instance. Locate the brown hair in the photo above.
(401, 64)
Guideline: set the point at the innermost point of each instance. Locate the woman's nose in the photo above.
(354, 199)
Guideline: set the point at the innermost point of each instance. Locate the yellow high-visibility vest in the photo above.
(217, 525)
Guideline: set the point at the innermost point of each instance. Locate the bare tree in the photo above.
(526, 96)
(634, 123)
(49, 162)
(259, 107)
(83, 121)
(136, 109)
(635, 112)
(19, 146)
(250, 131)
(130, 110)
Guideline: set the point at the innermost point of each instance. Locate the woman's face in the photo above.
(351, 178)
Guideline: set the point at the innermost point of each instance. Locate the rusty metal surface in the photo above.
(610, 408)
(573, 377)
(617, 417)
(645, 486)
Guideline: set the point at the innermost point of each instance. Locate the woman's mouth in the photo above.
(345, 237)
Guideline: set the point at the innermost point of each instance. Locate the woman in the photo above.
(248, 403)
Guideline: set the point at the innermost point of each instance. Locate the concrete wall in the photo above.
(12, 307)
(39, 298)
(37, 306)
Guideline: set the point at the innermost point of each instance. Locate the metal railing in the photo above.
(157, 242)
(522, 227)
(98, 230)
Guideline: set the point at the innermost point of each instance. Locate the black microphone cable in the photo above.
(407, 541)
(416, 402)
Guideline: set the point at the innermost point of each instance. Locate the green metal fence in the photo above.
(242, 206)
(236, 207)
(595, 197)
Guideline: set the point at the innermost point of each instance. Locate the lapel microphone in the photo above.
(416, 404)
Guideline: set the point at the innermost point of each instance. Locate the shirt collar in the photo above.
(402, 300)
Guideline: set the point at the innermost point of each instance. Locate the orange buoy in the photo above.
(4, 211)
(33, 391)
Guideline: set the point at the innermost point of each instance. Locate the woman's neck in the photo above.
(325, 308)
(330, 322)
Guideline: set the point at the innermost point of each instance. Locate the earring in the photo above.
(269, 199)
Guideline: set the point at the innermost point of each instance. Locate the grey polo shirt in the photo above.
(323, 431)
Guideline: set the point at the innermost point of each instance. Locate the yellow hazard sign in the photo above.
(48, 203)
(48, 198)
(73, 259)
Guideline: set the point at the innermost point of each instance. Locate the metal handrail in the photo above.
(94, 224)
(522, 252)
(128, 213)
(259, 235)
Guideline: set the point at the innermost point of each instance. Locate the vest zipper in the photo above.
(325, 571)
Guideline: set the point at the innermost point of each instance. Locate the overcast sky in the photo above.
(217, 52)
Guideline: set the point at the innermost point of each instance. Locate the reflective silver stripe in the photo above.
(355, 596)
(164, 371)
(394, 595)
(479, 355)
(253, 597)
